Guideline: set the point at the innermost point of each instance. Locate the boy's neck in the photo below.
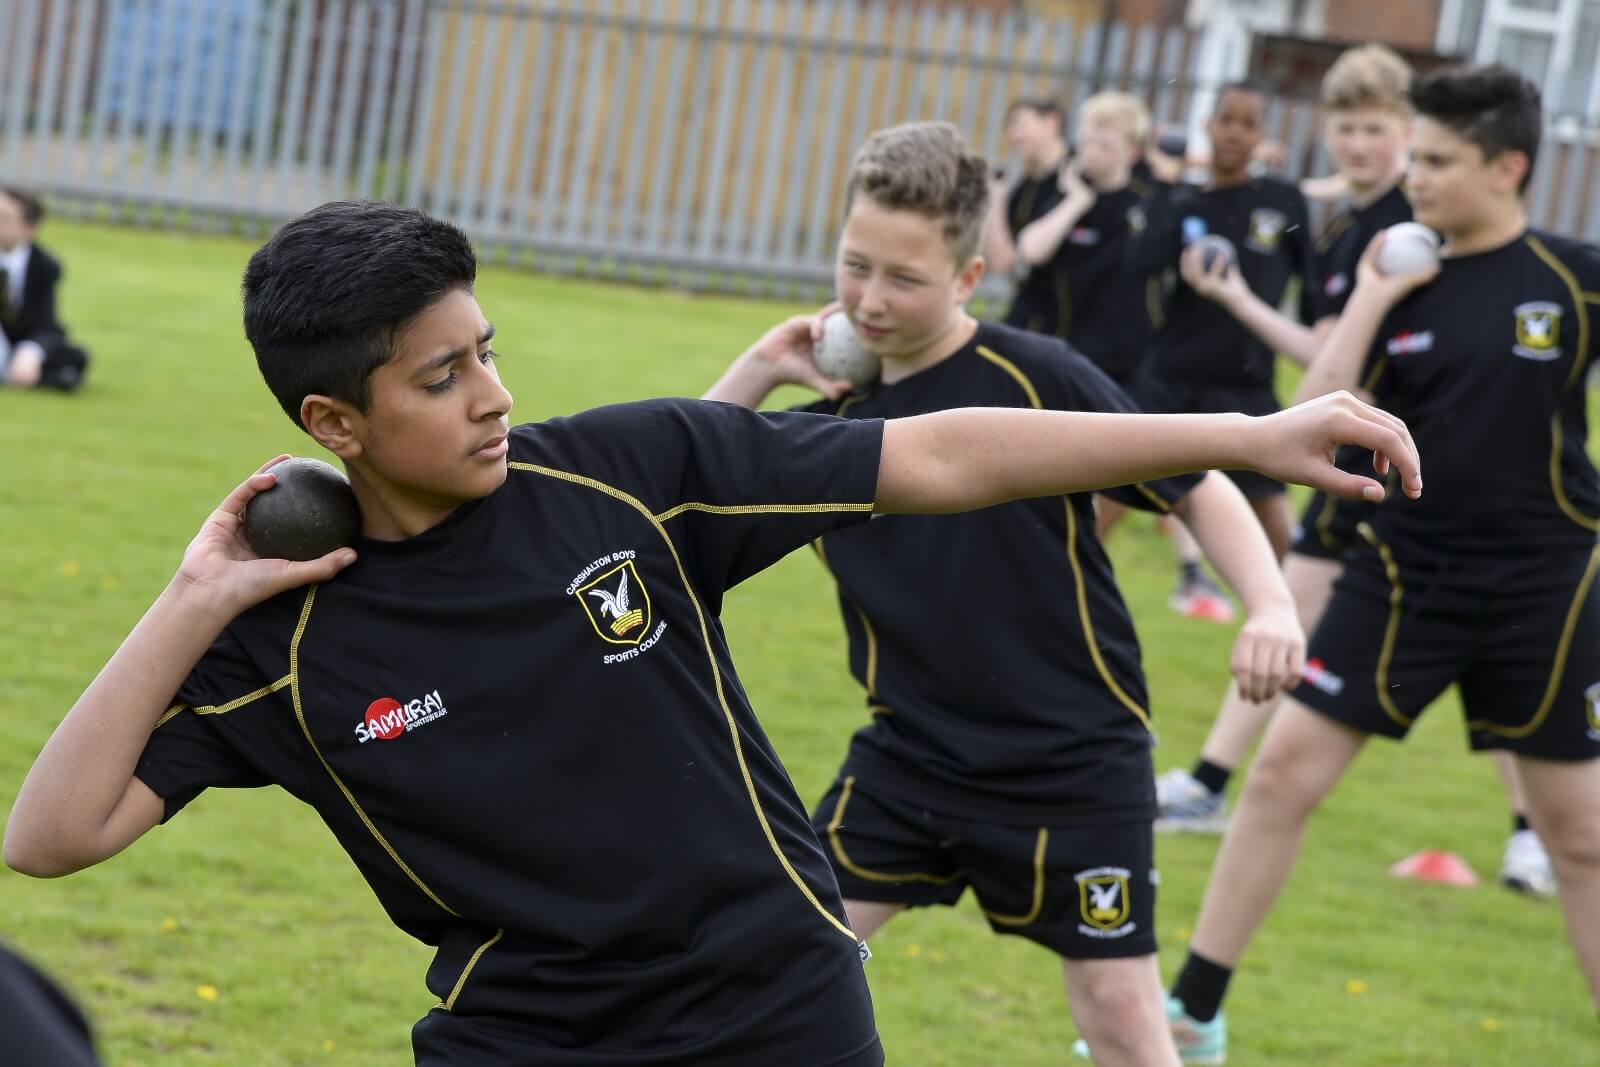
(1230, 179)
(387, 514)
(1496, 231)
(1115, 182)
(1365, 196)
(952, 340)
(1049, 163)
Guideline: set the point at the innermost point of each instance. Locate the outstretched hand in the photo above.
(221, 563)
(1298, 444)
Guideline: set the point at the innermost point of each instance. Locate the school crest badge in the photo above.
(1267, 226)
(618, 604)
(1538, 331)
(1592, 695)
(1103, 897)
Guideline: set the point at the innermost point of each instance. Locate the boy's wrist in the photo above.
(758, 369)
(1241, 442)
(201, 605)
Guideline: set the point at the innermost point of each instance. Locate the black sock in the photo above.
(1519, 823)
(1200, 987)
(1189, 569)
(1211, 776)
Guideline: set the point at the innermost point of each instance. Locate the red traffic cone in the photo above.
(1434, 865)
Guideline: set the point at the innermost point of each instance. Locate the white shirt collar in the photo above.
(16, 265)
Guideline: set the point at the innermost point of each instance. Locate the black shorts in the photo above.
(1524, 646)
(1159, 395)
(1328, 524)
(1082, 891)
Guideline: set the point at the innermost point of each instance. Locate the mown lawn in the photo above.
(240, 935)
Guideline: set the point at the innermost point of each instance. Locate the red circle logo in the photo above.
(386, 718)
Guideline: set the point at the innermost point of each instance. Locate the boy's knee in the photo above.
(1276, 785)
(1573, 839)
(1122, 1006)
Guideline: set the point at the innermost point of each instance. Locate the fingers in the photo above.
(316, 570)
(822, 314)
(1369, 258)
(233, 504)
(1266, 664)
(269, 464)
(1387, 437)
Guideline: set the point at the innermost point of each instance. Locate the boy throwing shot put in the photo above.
(1082, 242)
(1489, 583)
(511, 700)
(1201, 358)
(1365, 96)
(1009, 746)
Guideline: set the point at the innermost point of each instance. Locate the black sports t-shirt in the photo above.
(42, 1027)
(1034, 306)
(1196, 340)
(1346, 238)
(1001, 667)
(525, 728)
(1104, 307)
(1486, 365)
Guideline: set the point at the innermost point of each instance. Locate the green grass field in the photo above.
(240, 935)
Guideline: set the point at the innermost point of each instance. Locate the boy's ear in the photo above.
(1507, 170)
(332, 424)
(968, 277)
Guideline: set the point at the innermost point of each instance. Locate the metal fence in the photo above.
(698, 142)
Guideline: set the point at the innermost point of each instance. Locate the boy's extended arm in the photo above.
(81, 803)
(969, 458)
(1339, 361)
(1270, 648)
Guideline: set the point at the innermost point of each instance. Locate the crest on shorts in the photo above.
(1267, 226)
(1538, 331)
(1103, 897)
(618, 604)
(1592, 695)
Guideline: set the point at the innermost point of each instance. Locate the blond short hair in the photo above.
(1124, 111)
(1371, 76)
(925, 168)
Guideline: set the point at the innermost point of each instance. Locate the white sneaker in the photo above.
(1185, 805)
(1526, 865)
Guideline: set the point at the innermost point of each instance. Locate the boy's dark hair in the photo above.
(32, 207)
(1041, 105)
(1493, 107)
(325, 298)
(1243, 85)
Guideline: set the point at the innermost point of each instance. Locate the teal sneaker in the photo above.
(1200, 1043)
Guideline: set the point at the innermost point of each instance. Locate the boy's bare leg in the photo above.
(1120, 1009)
(867, 917)
(1277, 519)
(1302, 758)
(1107, 513)
(1564, 807)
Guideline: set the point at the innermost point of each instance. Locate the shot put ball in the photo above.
(309, 513)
